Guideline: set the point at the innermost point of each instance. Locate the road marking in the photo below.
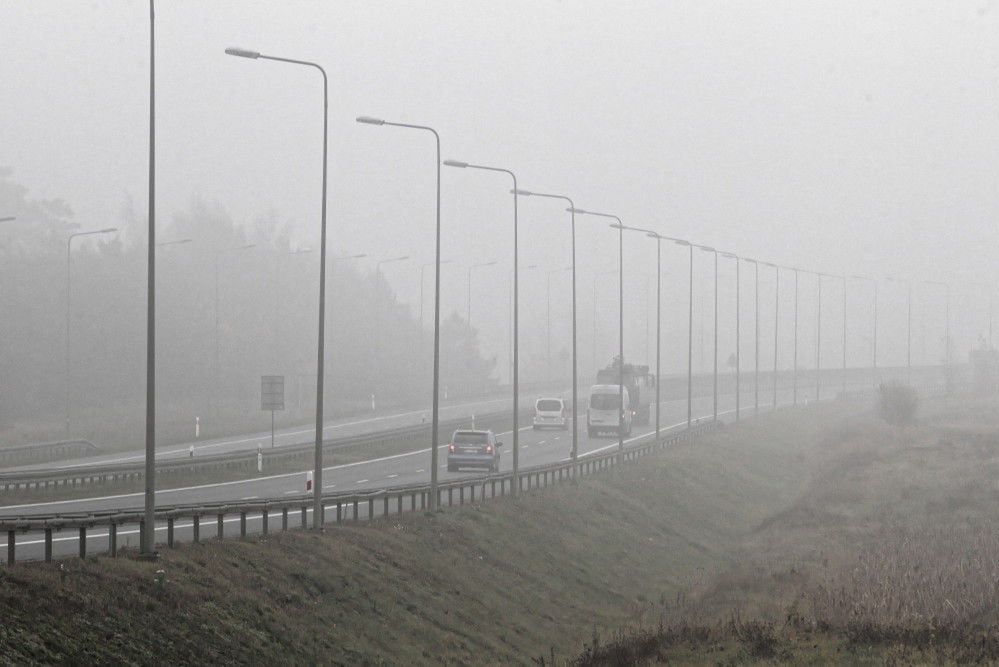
(288, 493)
(360, 481)
(392, 476)
(420, 470)
(329, 486)
(542, 442)
(250, 498)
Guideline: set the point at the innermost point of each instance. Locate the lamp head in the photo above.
(370, 121)
(681, 242)
(576, 210)
(455, 163)
(522, 193)
(107, 230)
(242, 53)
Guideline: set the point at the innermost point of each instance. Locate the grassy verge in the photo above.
(724, 537)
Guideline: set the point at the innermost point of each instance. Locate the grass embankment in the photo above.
(746, 522)
(889, 554)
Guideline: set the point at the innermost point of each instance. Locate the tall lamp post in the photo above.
(218, 353)
(690, 325)
(435, 419)
(147, 539)
(575, 366)
(947, 345)
(548, 318)
(317, 508)
(69, 302)
(988, 294)
(654, 235)
(468, 318)
(738, 282)
(620, 269)
(596, 275)
(908, 325)
(715, 373)
(423, 267)
(874, 326)
(756, 338)
(843, 278)
(818, 335)
(516, 315)
(776, 268)
(9, 218)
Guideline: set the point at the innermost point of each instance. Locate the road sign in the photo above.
(271, 399)
(272, 392)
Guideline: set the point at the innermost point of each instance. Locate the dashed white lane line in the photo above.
(329, 486)
(360, 481)
(392, 476)
(420, 470)
(288, 493)
(542, 442)
(250, 498)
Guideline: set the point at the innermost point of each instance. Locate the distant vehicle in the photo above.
(473, 449)
(550, 412)
(604, 415)
(639, 383)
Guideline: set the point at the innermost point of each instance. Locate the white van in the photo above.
(550, 412)
(603, 415)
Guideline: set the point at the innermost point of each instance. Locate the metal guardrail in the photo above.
(243, 460)
(46, 451)
(344, 504)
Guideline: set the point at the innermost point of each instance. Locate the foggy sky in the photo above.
(849, 137)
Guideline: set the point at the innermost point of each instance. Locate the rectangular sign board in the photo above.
(272, 392)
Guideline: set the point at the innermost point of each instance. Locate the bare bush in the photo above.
(898, 404)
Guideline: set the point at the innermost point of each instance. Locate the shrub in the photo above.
(898, 404)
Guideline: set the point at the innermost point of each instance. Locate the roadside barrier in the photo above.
(378, 503)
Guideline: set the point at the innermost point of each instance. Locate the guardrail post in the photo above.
(339, 513)
(284, 518)
(355, 509)
(385, 507)
(221, 527)
(471, 488)
(304, 520)
(413, 501)
(450, 496)
(83, 542)
(242, 525)
(461, 494)
(48, 545)
(399, 499)
(170, 532)
(263, 520)
(196, 526)
(371, 509)
(10, 547)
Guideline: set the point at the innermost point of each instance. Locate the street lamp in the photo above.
(732, 255)
(690, 324)
(435, 419)
(776, 269)
(874, 339)
(572, 221)
(468, 317)
(548, 319)
(596, 275)
(715, 374)
(10, 218)
(317, 508)
(756, 338)
(659, 291)
(177, 242)
(620, 264)
(908, 326)
(946, 286)
(218, 354)
(516, 314)
(69, 300)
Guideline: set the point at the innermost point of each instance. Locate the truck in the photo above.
(639, 383)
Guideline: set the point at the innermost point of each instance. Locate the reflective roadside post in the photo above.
(317, 507)
(435, 419)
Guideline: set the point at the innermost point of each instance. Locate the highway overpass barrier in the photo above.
(103, 473)
(197, 520)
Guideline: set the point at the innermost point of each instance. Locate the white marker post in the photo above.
(260, 459)
(197, 427)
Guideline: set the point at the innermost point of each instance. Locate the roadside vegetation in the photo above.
(817, 535)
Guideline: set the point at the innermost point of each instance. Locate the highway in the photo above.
(536, 447)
